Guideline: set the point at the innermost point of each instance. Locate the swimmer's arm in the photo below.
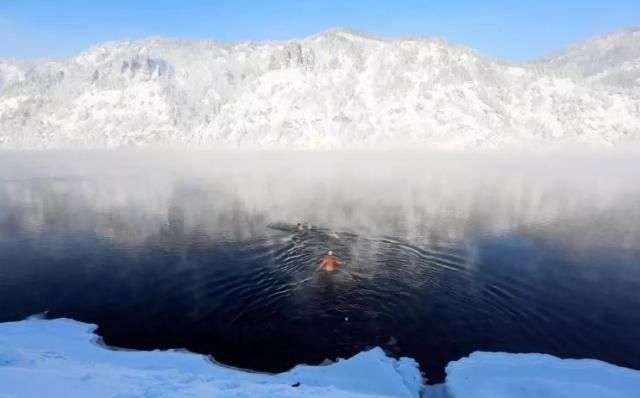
(322, 264)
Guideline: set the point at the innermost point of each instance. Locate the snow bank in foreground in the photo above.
(500, 375)
(60, 358)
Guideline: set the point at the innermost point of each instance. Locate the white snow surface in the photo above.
(501, 375)
(62, 358)
(335, 89)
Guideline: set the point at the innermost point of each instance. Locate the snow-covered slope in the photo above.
(60, 358)
(612, 59)
(335, 89)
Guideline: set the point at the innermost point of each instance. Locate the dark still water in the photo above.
(433, 271)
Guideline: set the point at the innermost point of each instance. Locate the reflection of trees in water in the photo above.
(430, 209)
(175, 220)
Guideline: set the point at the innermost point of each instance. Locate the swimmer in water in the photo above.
(329, 263)
(300, 227)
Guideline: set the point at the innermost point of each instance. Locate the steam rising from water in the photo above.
(420, 197)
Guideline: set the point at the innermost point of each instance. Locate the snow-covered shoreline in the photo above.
(64, 358)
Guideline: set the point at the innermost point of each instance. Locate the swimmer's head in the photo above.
(330, 253)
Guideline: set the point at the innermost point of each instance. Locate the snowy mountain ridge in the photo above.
(336, 89)
(612, 59)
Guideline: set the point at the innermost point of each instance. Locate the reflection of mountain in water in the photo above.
(409, 199)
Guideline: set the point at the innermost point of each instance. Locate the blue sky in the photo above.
(515, 30)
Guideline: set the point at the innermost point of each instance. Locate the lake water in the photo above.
(443, 256)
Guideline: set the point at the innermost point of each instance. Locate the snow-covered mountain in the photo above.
(612, 59)
(333, 90)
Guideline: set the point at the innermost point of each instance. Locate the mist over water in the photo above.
(446, 254)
